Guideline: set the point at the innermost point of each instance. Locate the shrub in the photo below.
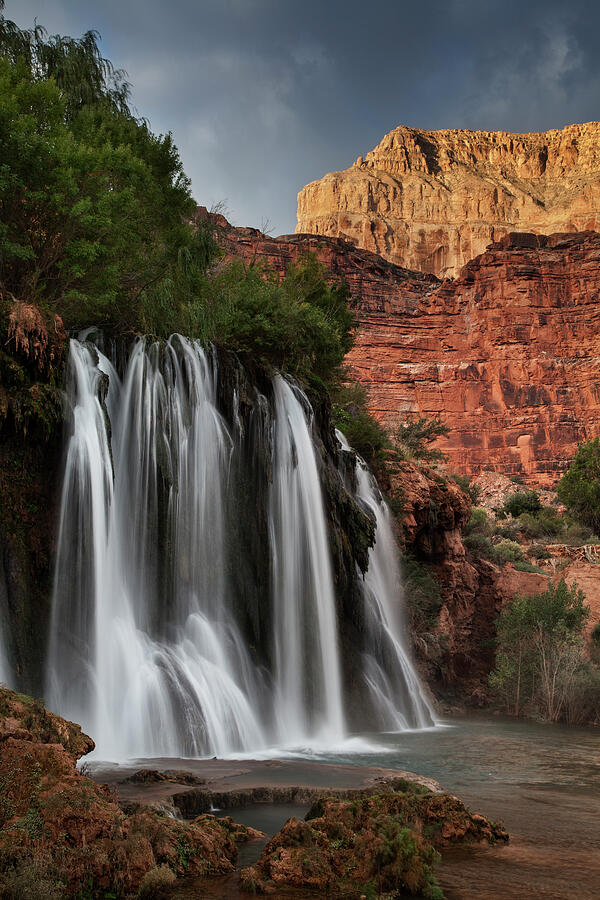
(522, 502)
(465, 483)
(31, 879)
(509, 532)
(480, 546)
(422, 590)
(412, 437)
(577, 534)
(537, 551)
(155, 881)
(478, 522)
(509, 551)
(579, 488)
(351, 416)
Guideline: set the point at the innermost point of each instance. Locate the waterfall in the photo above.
(144, 651)
(307, 670)
(398, 696)
(194, 610)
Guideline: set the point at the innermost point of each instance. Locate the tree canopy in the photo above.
(96, 222)
(579, 488)
(539, 659)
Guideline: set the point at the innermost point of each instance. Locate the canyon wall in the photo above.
(508, 353)
(432, 200)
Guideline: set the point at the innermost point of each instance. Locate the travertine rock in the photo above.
(432, 200)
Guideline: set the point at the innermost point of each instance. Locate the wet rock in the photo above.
(383, 842)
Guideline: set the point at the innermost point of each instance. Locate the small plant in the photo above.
(509, 551)
(155, 881)
(413, 436)
(478, 522)
(537, 551)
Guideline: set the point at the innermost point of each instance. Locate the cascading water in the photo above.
(307, 670)
(143, 648)
(194, 610)
(398, 696)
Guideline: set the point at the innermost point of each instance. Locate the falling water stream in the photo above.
(307, 672)
(147, 646)
(397, 694)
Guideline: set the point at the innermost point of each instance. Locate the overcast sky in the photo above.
(263, 96)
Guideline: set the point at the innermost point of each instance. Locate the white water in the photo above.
(143, 650)
(307, 669)
(148, 645)
(398, 696)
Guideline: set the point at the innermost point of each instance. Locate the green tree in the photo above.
(413, 436)
(76, 65)
(539, 650)
(579, 488)
(91, 212)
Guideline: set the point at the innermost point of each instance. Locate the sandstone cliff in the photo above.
(508, 353)
(432, 200)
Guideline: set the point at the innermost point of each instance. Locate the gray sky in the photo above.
(263, 96)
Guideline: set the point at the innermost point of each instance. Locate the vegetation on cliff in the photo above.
(579, 488)
(541, 664)
(96, 223)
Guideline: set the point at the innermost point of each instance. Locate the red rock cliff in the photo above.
(508, 353)
(432, 200)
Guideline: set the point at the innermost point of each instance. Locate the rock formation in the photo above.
(387, 840)
(432, 200)
(508, 353)
(65, 835)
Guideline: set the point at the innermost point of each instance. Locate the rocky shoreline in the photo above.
(139, 832)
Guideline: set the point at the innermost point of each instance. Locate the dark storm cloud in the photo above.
(263, 96)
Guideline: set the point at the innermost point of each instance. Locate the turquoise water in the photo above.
(541, 781)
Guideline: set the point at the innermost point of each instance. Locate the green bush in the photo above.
(422, 592)
(579, 488)
(577, 534)
(299, 324)
(478, 522)
(413, 436)
(480, 546)
(510, 532)
(465, 483)
(522, 502)
(351, 415)
(509, 551)
(536, 551)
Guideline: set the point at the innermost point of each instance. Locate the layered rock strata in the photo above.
(432, 200)
(508, 353)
